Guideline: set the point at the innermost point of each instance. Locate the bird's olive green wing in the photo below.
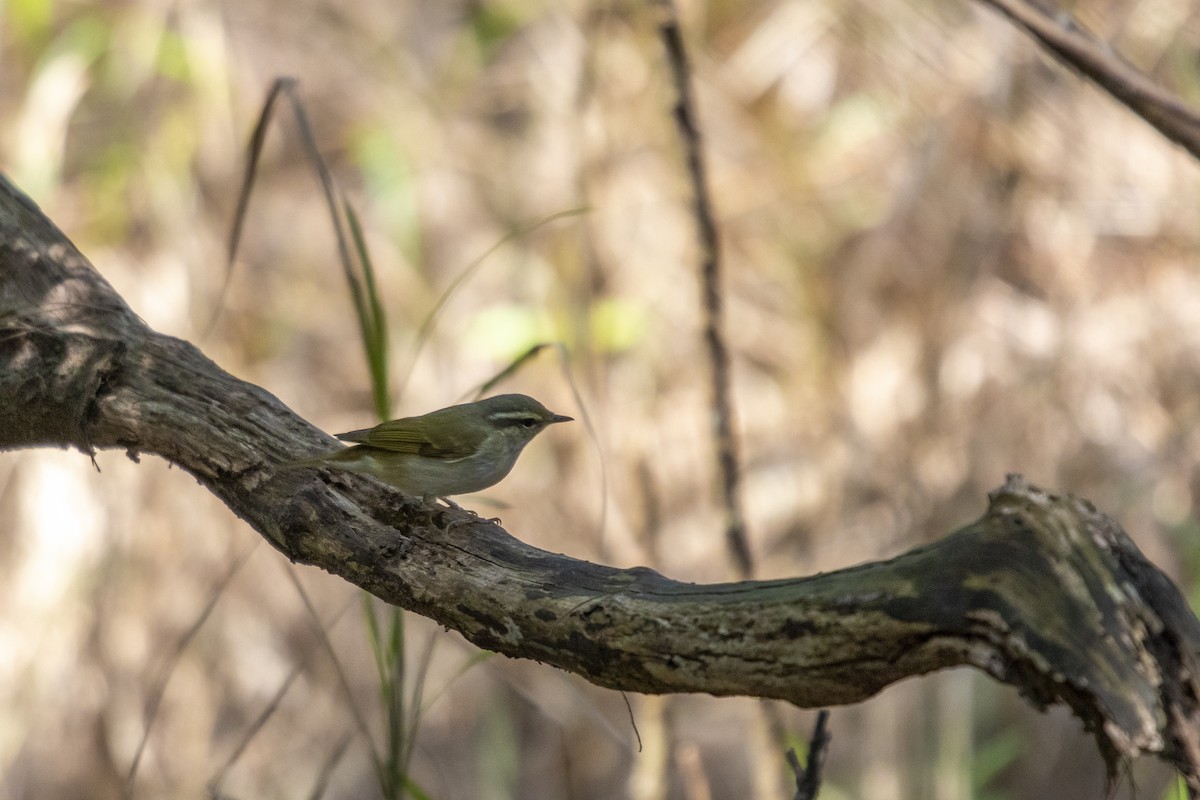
(423, 436)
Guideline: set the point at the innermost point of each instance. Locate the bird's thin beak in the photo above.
(560, 418)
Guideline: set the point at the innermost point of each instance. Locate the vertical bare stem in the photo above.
(710, 278)
(808, 777)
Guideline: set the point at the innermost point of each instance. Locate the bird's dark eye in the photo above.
(529, 422)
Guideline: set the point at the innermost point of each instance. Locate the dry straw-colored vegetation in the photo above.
(946, 259)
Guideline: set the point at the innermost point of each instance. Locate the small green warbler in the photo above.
(455, 450)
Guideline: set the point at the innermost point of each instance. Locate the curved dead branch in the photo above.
(1042, 592)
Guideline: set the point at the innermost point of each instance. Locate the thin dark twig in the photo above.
(718, 353)
(632, 721)
(808, 777)
(1057, 32)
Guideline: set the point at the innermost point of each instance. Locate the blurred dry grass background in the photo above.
(947, 259)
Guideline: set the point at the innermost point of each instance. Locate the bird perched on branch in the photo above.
(455, 450)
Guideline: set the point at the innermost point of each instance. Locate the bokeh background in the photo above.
(947, 259)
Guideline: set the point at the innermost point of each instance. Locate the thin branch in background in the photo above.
(322, 783)
(584, 415)
(1057, 32)
(214, 785)
(160, 686)
(718, 353)
(323, 637)
(808, 777)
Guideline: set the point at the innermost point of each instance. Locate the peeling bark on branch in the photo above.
(1042, 592)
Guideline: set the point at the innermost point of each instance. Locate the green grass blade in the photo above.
(426, 329)
(511, 369)
(257, 139)
(372, 321)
